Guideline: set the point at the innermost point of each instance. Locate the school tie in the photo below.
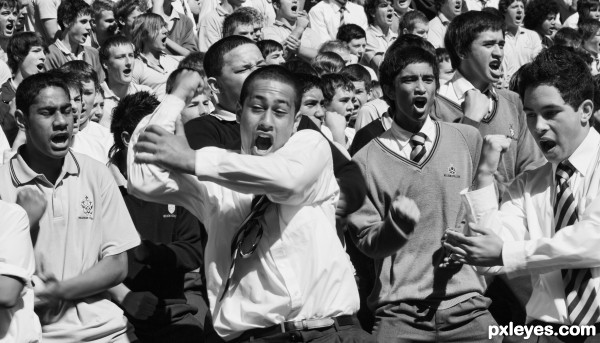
(417, 141)
(342, 20)
(580, 291)
(247, 237)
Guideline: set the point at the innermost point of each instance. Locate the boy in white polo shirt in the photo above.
(86, 229)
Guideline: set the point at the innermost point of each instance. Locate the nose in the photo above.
(128, 60)
(266, 121)
(498, 51)
(538, 125)
(420, 89)
(60, 120)
(320, 112)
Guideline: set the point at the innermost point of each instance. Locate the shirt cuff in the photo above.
(513, 256)
(15, 271)
(207, 160)
(480, 201)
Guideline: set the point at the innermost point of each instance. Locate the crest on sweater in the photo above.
(171, 210)
(87, 207)
(452, 172)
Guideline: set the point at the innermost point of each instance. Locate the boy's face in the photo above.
(481, 65)
(357, 47)
(257, 34)
(80, 29)
(313, 104)
(413, 93)
(49, 123)
(446, 71)
(451, 8)
(88, 95)
(360, 92)
(288, 9)
(595, 12)
(8, 18)
(158, 43)
(245, 31)
(420, 29)
(106, 25)
(33, 63)
(548, 26)
(120, 64)
(276, 57)
(98, 109)
(401, 5)
(342, 102)
(556, 126)
(199, 104)
(77, 107)
(384, 14)
(593, 44)
(268, 117)
(515, 13)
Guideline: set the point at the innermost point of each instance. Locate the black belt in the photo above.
(300, 325)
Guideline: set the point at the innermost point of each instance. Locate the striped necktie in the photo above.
(418, 143)
(580, 291)
(342, 20)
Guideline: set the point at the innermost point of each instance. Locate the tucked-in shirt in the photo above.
(397, 139)
(525, 221)
(325, 18)
(111, 100)
(377, 42)
(85, 221)
(210, 28)
(154, 76)
(94, 141)
(59, 54)
(18, 323)
(437, 30)
(299, 270)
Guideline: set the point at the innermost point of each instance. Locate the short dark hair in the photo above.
(193, 61)
(268, 46)
(328, 62)
(216, 52)
(493, 11)
(126, 116)
(348, 32)
(357, 73)
(308, 81)
(31, 87)
(396, 60)
(235, 19)
(99, 6)
(296, 66)
(275, 73)
(81, 70)
(19, 46)
(410, 19)
(123, 8)
(441, 55)
(537, 11)
(111, 42)
(588, 28)
(504, 4)
(69, 10)
(465, 28)
(331, 82)
(409, 40)
(9, 3)
(584, 8)
(563, 69)
(176, 72)
(567, 36)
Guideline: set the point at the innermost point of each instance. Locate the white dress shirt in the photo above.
(325, 18)
(437, 30)
(456, 89)
(299, 270)
(397, 139)
(525, 222)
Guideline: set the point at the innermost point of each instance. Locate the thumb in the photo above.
(479, 229)
(179, 130)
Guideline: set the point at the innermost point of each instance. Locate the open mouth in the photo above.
(263, 144)
(495, 67)
(41, 67)
(10, 26)
(127, 71)
(547, 145)
(294, 8)
(60, 140)
(389, 16)
(420, 102)
(164, 40)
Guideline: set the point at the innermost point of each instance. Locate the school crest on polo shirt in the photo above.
(87, 208)
(171, 210)
(452, 172)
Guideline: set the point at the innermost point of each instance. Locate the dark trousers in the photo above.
(467, 321)
(561, 339)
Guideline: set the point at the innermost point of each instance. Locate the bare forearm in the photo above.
(51, 28)
(177, 48)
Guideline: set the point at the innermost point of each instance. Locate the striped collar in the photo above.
(22, 174)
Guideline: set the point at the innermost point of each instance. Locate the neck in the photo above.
(120, 89)
(413, 126)
(49, 167)
(152, 55)
(480, 85)
(513, 29)
(285, 20)
(4, 42)
(18, 78)
(72, 47)
(384, 28)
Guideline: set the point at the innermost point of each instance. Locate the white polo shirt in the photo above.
(19, 323)
(85, 221)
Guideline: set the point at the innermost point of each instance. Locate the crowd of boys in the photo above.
(299, 171)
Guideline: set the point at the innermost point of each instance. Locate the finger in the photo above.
(454, 249)
(458, 237)
(145, 158)
(179, 129)
(156, 129)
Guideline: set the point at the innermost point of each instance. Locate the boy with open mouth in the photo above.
(9, 11)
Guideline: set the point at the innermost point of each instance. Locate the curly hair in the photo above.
(537, 11)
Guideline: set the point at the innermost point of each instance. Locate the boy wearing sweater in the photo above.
(417, 169)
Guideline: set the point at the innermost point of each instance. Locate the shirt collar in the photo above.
(379, 33)
(108, 93)
(223, 114)
(584, 154)
(403, 136)
(461, 85)
(279, 23)
(22, 174)
(172, 18)
(445, 21)
(336, 6)
(221, 11)
(59, 44)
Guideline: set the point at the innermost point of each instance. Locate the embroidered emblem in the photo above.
(88, 208)
(452, 172)
(171, 214)
(512, 132)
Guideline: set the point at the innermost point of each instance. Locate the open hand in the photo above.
(483, 249)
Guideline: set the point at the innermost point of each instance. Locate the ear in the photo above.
(21, 120)
(297, 119)
(238, 112)
(213, 84)
(104, 66)
(586, 110)
(126, 138)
